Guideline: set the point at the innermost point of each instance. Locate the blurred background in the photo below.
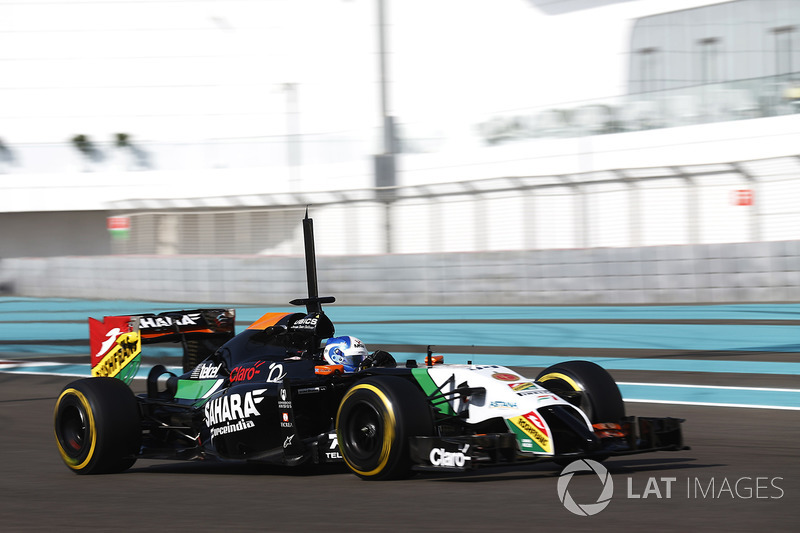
(452, 151)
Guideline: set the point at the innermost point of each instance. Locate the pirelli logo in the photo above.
(125, 349)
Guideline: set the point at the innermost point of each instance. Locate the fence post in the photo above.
(692, 206)
(634, 208)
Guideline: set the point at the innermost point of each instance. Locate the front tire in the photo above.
(97, 426)
(588, 386)
(376, 417)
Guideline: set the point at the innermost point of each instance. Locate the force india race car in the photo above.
(267, 395)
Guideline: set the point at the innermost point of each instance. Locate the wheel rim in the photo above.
(73, 431)
(363, 433)
(367, 430)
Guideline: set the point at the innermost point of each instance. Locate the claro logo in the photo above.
(441, 457)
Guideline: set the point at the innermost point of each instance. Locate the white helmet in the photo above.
(346, 351)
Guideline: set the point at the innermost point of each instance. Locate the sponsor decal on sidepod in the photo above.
(232, 412)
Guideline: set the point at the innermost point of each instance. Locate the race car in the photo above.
(287, 390)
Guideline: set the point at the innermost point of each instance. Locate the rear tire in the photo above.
(375, 420)
(598, 395)
(97, 426)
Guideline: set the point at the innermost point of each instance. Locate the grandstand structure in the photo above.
(680, 188)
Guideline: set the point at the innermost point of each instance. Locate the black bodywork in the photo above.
(271, 372)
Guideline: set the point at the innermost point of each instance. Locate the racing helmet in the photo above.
(346, 351)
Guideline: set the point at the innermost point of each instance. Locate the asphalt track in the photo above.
(742, 472)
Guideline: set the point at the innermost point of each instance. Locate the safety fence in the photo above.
(746, 201)
(681, 234)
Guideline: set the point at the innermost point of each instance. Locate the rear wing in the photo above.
(116, 341)
(176, 326)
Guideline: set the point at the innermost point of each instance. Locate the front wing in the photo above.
(461, 453)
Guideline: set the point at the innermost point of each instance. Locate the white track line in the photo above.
(712, 404)
(723, 387)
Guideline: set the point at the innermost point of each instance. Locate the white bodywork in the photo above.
(515, 398)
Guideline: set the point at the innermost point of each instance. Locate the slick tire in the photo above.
(376, 417)
(97, 426)
(597, 393)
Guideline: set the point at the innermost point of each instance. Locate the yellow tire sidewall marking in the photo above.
(388, 429)
(558, 375)
(92, 434)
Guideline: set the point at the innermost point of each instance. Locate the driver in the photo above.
(353, 355)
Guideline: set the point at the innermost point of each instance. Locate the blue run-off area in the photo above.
(30, 326)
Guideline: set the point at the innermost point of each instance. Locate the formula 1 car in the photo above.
(267, 395)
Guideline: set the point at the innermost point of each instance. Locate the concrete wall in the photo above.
(54, 233)
(743, 272)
